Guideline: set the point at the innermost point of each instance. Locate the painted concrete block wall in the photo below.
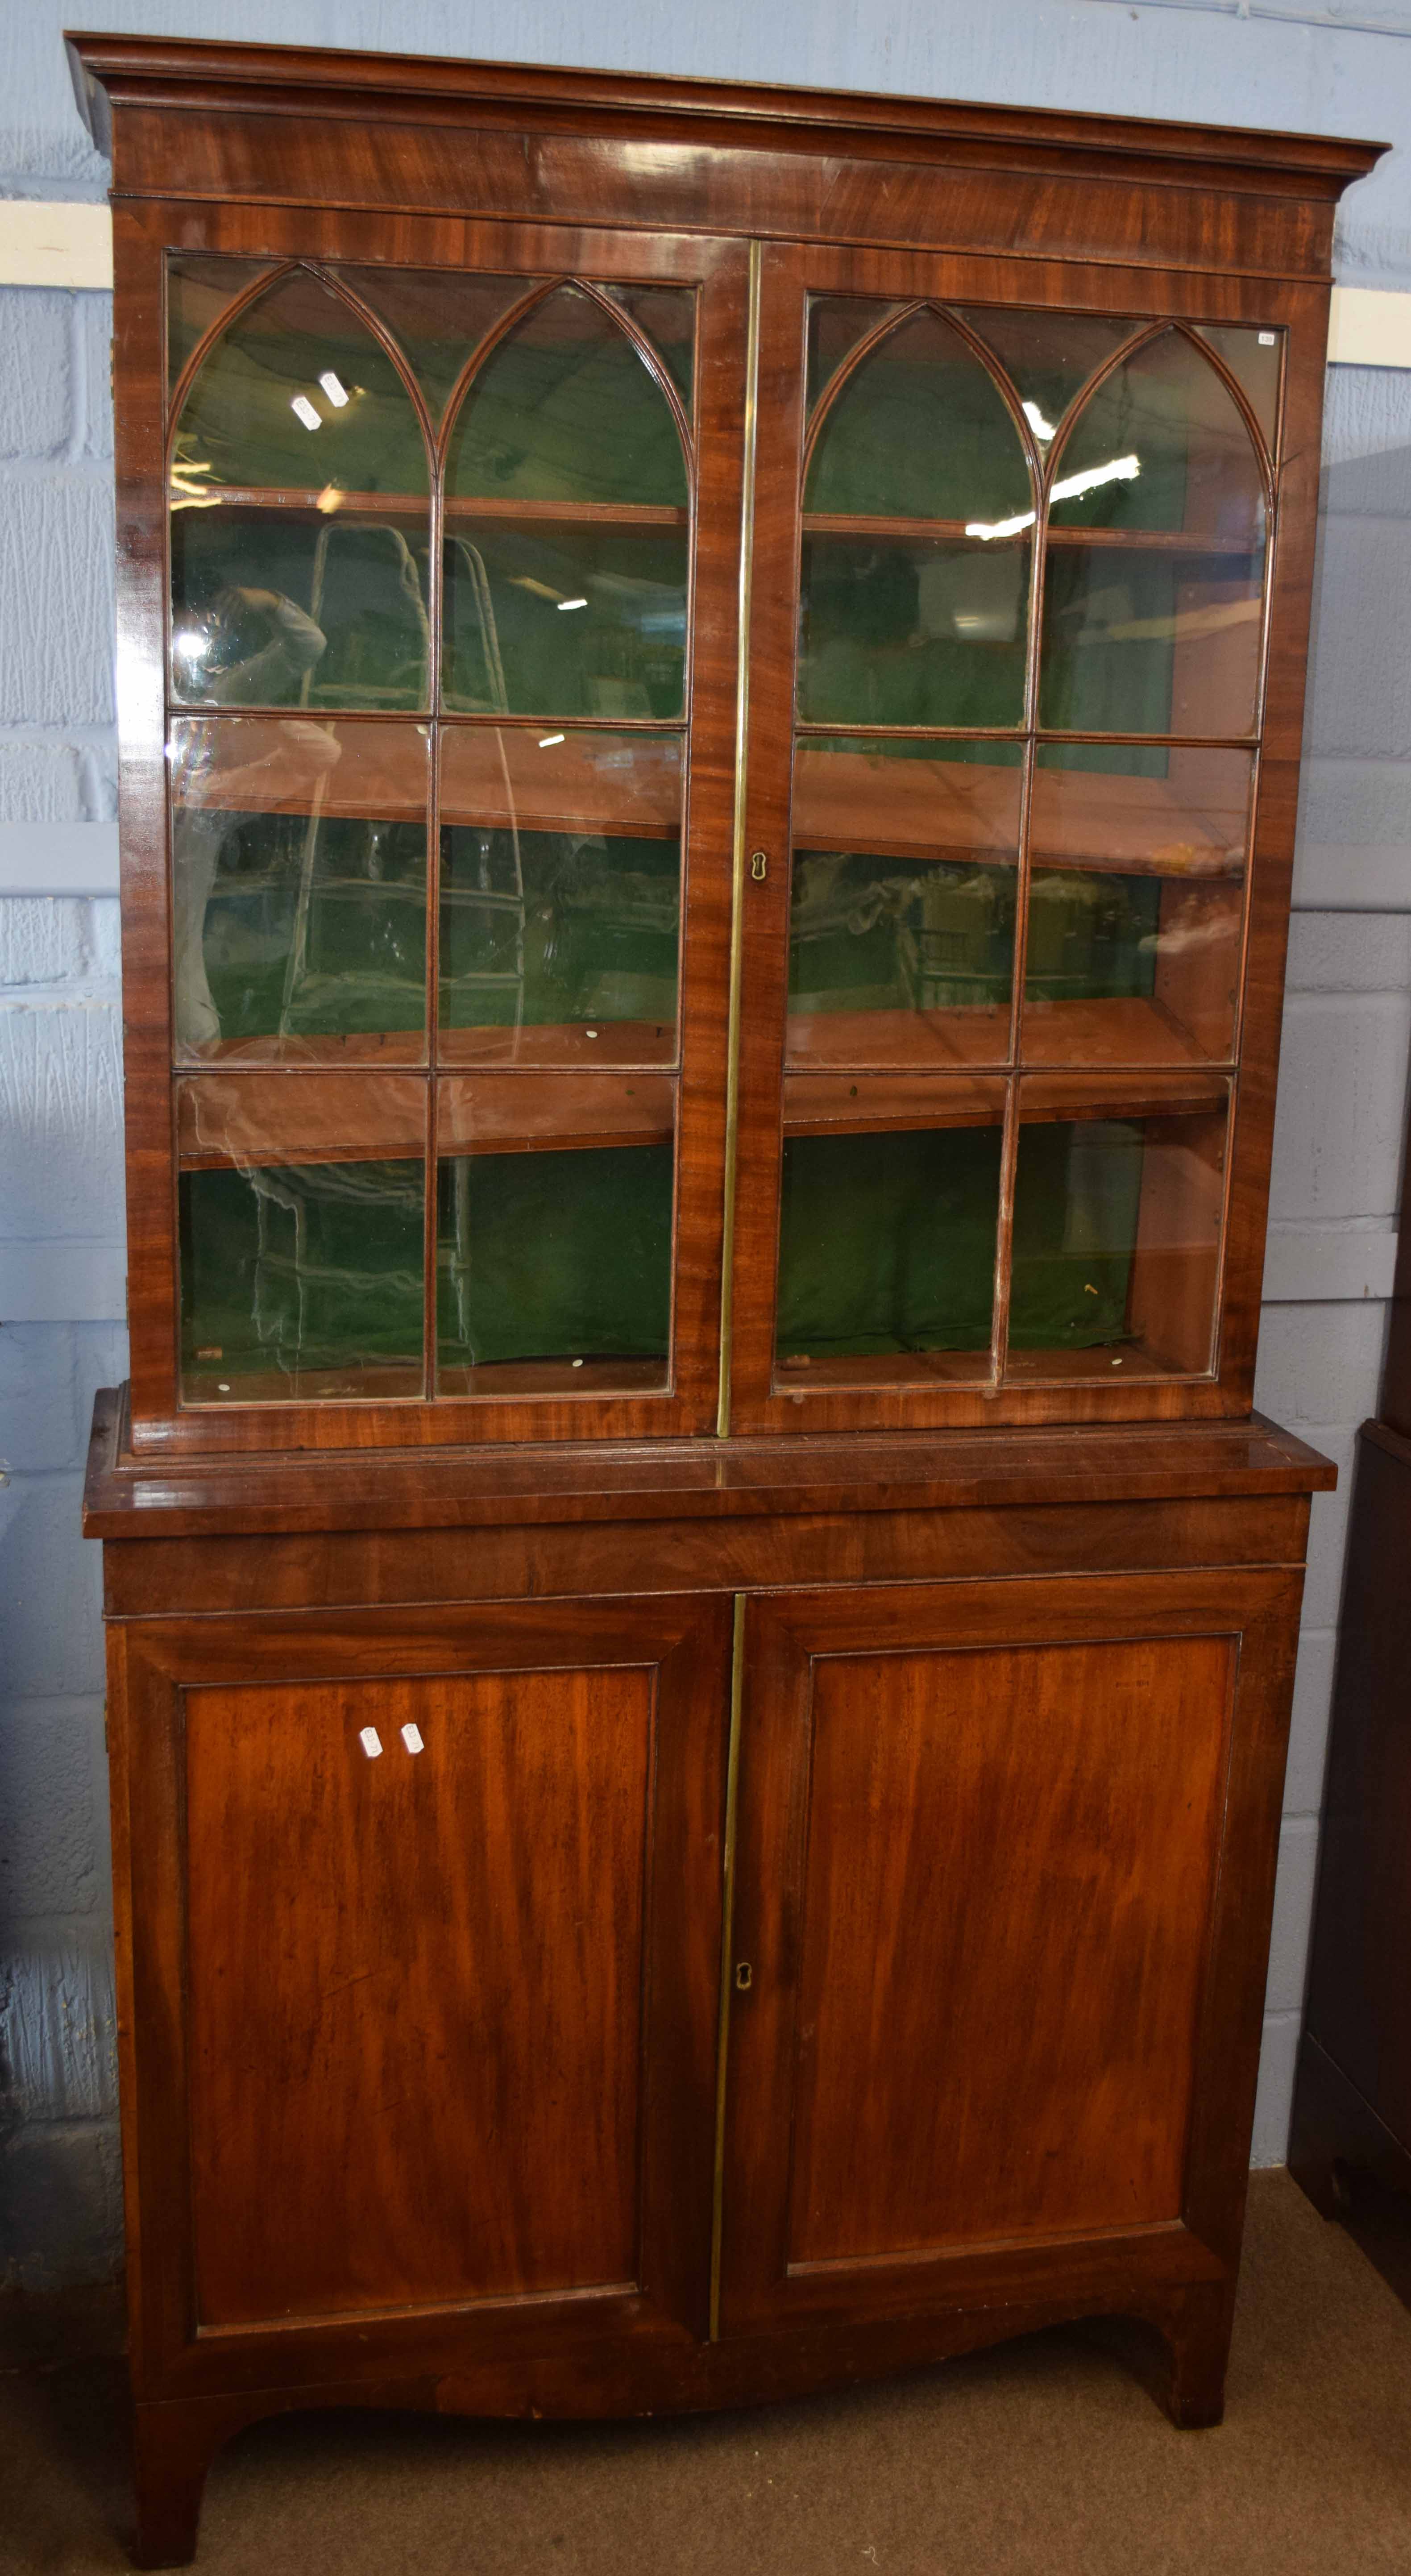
(1348, 1028)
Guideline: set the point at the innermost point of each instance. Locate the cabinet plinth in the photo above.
(700, 1625)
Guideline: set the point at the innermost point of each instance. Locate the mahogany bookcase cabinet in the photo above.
(700, 1625)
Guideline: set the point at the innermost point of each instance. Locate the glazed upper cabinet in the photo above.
(1009, 637)
(709, 822)
(448, 870)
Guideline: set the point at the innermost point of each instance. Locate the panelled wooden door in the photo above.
(445, 1899)
(981, 1927)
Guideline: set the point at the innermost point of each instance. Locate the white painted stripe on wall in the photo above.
(66, 244)
(58, 858)
(55, 244)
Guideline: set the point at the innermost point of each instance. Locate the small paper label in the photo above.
(371, 1742)
(411, 1737)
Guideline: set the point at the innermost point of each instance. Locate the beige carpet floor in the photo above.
(1041, 2458)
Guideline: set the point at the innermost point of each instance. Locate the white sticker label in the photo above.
(371, 1742)
(411, 1737)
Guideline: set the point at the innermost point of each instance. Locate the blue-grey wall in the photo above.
(1347, 1030)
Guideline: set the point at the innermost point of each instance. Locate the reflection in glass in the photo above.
(301, 1281)
(560, 896)
(310, 590)
(298, 395)
(887, 1244)
(549, 1258)
(1048, 356)
(199, 287)
(1171, 448)
(901, 927)
(299, 890)
(836, 323)
(928, 633)
(1137, 641)
(1136, 905)
(1151, 622)
(920, 430)
(1116, 1234)
(577, 620)
(667, 317)
(567, 409)
(1255, 360)
(437, 316)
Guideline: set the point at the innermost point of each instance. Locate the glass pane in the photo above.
(299, 890)
(1141, 641)
(298, 394)
(901, 923)
(1136, 908)
(554, 1205)
(437, 316)
(1161, 445)
(1048, 356)
(199, 288)
(569, 621)
(920, 430)
(1152, 614)
(566, 409)
(560, 897)
(667, 315)
(291, 608)
(311, 589)
(300, 1218)
(1255, 360)
(1117, 1214)
(929, 633)
(888, 1221)
(836, 323)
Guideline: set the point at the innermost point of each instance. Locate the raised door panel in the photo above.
(389, 1951)
(433, 1920)
(979, 1908)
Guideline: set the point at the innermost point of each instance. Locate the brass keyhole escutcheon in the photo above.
(759, 865)
(744, 1976)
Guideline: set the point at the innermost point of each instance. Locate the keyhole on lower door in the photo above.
(744, 1976)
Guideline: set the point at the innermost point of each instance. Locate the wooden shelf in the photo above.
(553, 1113)
(874, 1104)
(912, 531)
(492, 775)
(589, 1044)
(1116, 1033)
(894, 807)
(331, 502)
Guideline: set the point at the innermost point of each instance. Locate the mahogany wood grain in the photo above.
(1018, 1662)
(137, 1498)
(383, 1953)
(1006, 1810)
(540, 1886)
(322, 1570)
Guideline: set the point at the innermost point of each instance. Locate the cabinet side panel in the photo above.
(416, 1980)
(1007, 1892)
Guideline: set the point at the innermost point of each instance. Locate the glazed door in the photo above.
(1005, 1858)
(426, 1950)
(449, 721)
(1006, 694)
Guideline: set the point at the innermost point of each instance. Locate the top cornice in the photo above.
(111, 71)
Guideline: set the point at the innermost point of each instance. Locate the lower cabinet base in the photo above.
(1177, 2347)
(600, 1968)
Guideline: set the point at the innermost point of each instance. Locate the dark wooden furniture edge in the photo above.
(295, 1490)
(117, 69)
(1334, 2123)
